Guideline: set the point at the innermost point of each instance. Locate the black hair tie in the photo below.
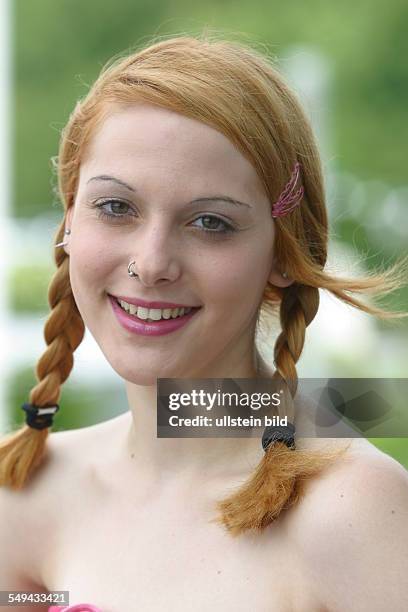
(39, 417)
(279, 433)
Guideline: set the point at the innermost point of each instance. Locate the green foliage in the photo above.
(28, 288)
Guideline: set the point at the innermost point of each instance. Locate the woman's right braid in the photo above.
(24, 449)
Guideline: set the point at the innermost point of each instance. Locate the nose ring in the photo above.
(131, 272)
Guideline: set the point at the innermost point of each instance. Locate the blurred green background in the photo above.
(348, 62)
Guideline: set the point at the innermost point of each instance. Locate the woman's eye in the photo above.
(214, 225)
(113, 208)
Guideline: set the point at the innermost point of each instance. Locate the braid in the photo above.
(298, 308)
(24, 449)
(276, 483)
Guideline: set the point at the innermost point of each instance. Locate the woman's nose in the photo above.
(156, 255)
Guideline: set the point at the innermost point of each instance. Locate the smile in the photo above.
(151, 321)
(152, 314)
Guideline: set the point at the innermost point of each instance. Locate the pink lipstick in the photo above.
(149, 328)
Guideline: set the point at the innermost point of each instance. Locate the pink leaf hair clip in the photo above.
(289, 198)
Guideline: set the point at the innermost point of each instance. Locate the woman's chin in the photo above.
(144, 376)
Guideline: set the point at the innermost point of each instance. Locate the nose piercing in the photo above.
(131, 272)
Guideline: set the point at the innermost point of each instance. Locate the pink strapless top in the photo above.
(82, 607)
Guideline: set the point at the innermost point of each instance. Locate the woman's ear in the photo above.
(68, 224)
(278, 277)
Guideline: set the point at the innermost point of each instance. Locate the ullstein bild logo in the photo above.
(243, 407)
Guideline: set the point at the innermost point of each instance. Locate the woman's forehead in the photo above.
(144, 140)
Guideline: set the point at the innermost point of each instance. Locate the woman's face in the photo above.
(176, 197)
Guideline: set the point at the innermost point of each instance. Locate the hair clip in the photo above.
(289, 198)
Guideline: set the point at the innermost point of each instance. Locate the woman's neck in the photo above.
(164, 457)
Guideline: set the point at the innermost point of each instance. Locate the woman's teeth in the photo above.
(153, 314)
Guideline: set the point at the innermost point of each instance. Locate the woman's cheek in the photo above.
(241, 276)
(91, 257)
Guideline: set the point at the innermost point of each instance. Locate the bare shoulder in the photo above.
(30, 517)
(71, 458)
(361, 476)
(17, 540)
(350, 529)
(27, 516)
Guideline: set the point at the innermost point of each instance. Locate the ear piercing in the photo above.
(284, 275)
(67, 231)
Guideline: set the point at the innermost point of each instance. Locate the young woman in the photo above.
(194, 205)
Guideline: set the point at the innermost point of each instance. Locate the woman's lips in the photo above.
(149, 328)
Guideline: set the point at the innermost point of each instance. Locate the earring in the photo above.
(284, 275)
(64, 242)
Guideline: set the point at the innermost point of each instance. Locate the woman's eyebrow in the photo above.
(221, 198)
(106, 177)
(215, 198)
